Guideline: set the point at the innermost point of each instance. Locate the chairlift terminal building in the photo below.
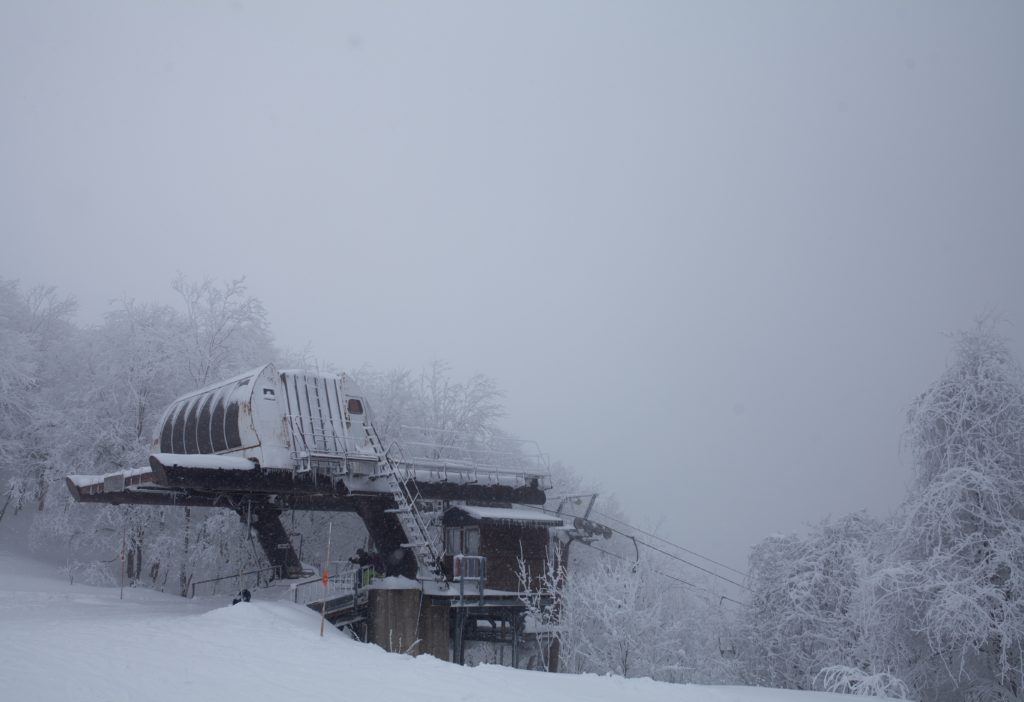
(268, 441)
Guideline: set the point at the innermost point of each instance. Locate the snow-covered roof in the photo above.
(86, 480)
(394, 582)
(506, 514)
(207, 461)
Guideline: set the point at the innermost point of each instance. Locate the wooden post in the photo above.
(326, 566)
(184, 578)
(124, 537)
(458, 644)
(515, 637)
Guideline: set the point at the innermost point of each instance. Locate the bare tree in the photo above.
(225, 329)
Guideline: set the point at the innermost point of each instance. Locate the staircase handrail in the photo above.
(408, 514)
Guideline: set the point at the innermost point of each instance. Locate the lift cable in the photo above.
(666, 541)
(653, 570)
(662, 551)
(683, 560)
(670, 577)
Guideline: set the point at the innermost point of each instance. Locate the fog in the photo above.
(710, 251)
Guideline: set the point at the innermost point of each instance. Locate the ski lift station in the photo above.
(451, 523)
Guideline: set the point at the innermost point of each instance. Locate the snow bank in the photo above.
(61, 642)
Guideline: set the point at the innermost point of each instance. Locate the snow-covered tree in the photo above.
(436, 417)
(225, 330)
(807, 601)
(394, 400)
(18, 377)
(37, 342)
(953, 587)
(931, 602)
(97, 406)
(458, 413)
(630, 620)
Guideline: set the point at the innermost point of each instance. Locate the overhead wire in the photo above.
(670, 577)
(638, 530)
(664, 540)
(689, 563)
(661, 550)
(623, 558)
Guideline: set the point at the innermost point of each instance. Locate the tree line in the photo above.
(86, 400)
(927, 603)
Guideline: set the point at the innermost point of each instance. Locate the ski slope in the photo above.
(61, 642)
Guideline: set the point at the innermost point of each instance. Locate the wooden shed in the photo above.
(502, 535)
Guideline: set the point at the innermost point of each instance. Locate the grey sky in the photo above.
(708, 249)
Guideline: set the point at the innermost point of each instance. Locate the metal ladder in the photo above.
(316, 413)
(427, 552)
(303, 427)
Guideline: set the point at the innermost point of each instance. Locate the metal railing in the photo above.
(262, 578)
(425, 545)
(411, 466)
(425, 470)
(331, 439)
(457, 448)
(324, 445)
(351, 581)
(472, 571)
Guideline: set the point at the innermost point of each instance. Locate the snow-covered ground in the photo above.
(62, 642)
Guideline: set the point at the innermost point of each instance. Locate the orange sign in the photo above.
(324, 578)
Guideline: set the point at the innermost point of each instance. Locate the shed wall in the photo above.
(399, 622)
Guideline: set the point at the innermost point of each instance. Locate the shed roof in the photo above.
(520, 515)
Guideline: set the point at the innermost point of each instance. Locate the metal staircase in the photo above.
(428, 553)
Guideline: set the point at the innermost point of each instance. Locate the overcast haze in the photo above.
(709, 250)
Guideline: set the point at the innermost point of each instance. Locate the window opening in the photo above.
(231, 432)
(178, 432)
(167, 434)
(217, 424)
(203, 431)
(191, 427)
(463, 540)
